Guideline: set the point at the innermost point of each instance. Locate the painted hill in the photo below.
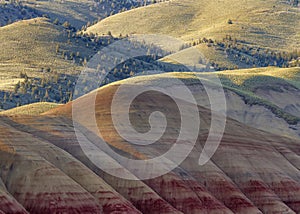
(251, 172)
(65, 158)
(263, 98)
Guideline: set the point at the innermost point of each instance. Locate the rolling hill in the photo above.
(13, 12)
(231, 34)
(252, 171)
(31, 45)
(79, 13)
(39, 56)
(263, 98)
(51, 75)
(258, 23)
(30, 109)
(157, 134)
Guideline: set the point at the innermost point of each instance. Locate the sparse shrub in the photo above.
(66, 25)
(56, 22)
(16, 88)
(57, 48)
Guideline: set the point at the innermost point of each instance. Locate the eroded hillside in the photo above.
(251, 172)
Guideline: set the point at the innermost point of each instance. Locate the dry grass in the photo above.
(76, 12)
(256, 22)
(28, 46)
(249, 79)
(213, 55)
(31, 109)
(237, 77)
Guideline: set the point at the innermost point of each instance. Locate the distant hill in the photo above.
(80, 13)
(39, 59)
(258, 23)
(10, 13)
(238, 31)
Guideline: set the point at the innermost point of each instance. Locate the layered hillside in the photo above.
(68, 146)
(44, 169)
(263, 98)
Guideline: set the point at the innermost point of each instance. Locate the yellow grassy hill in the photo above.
(272, 23)
(31, 109)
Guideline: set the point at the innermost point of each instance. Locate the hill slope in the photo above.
(38, 56)
(31, 109)
(251, 172)
(30, 45)
(13, 12)
(80, 12)
(256, 22)
(230, 34)
(263, 98)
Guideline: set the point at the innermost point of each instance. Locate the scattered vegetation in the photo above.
(14, 11)
(243, 55)
(48, 60)
(257, 23)
(41, 58)
(66, 11)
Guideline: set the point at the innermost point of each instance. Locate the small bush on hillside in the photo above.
(66, 24)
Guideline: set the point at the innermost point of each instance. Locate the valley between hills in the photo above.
(57, 120)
